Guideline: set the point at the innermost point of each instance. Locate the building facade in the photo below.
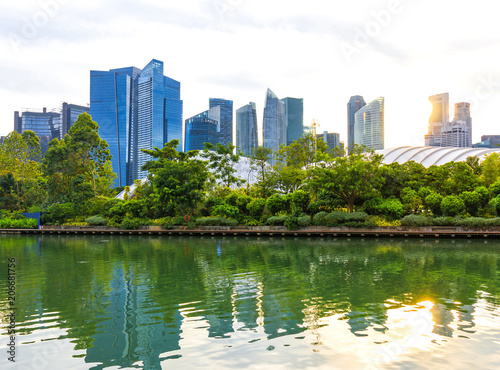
(246, 129)
(202, 128)
(355, 103)
(488, 141)
(294, 110)
(225, 119)
(135, 109)
(45, 124)
(69, 115)
(274, 122)
(439, 117)
(331, 139)
(369, 125)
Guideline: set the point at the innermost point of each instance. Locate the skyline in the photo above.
(325, 54)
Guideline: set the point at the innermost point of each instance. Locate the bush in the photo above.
(276, 220)
(433, 202)
(300, 201)
(24, 223)
(471, 201)
(130, 223)
(444, 221)
(484, 195)
(292, 222)
(226, 210)
(415, 220)
(304, 221)
(335, 218)
(57, 214)
(96, 221)
(319, 219)
(167, 223)
(242, 203)
(232, 198)
(276, 203)
(340, 218)
(216, 221)
(475, 222)
(392, 208)
(495, 189)
(452, 206)
(256, 207)
(252, 222)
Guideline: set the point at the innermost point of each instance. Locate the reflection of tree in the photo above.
(119, 297)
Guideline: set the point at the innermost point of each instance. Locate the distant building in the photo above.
(488, 141)
(439, 117)
(294, 111)
(202, 128)
(69, 115)
(274, 122)
(225, 119)
(332, 139)
(369, 125)
(45, 124)
(246, 129)
(355, 103)
(135, 109)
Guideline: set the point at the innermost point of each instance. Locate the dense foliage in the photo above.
(306, 186)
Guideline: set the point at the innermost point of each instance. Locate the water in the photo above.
(181, 303)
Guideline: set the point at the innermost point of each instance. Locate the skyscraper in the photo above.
(355, 103)
(69, 115)
(246, 129)
(439, 117)
(294, 110)
(274, 123)
(331, 139)
(135, 109)
(45, 124)
(225, 119)
(369, 125)
(202, 128)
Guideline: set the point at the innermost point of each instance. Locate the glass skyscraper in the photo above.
(135, 109)
(294, 110)
(246, 129)
(69, 115)
(225, 119)
(274, 123)
(369, 125)
(46, 125)
(355, 103)
(202, 128)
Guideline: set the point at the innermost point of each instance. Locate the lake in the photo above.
(133, 302)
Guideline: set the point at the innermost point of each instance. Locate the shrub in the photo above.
(304, 221)
(335, 218)
(226, 210)
(292, 222)
(24, 223)
(471, 201)
(484, 195)
(130, 223)
(415, 220)
(495, 189)
(276, 220)
(300, 201)
(252, 222)
(319, 219)
(392, 208)
(433, 202)
(276, 203)
(474, 222)
(452, 206)
(256, 207)
(444, 221)
(216, 221)
(232, 198)
(242, 203)
(57, 214)
(96, 221)
(410, 200)
(167, 223)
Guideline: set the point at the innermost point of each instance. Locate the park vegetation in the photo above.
(309, 185)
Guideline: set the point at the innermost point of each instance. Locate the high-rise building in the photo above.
(439, 117)
(45, 124)
(294, 110)
(135, 109)
(69, 115)
(202, 128)
(355, 103)
(369, 125)
(331, 139)
(274, 123)
(246, 129)
(225, 120)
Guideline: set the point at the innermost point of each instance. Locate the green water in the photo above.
(182, 303)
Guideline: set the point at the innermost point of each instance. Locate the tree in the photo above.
(351, 177)
(259, 161)
(179, 179)
(222, 160)
(490, 168)
(452, 206)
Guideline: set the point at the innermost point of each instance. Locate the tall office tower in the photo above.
(202, 128)
(135, 109)
(331, 139)
(69, 114)
(369, 125)
(294, 110)
(355, 103)
(46, 125)
(274, 123)
(439, 117)
(225, 119)
(246, 129)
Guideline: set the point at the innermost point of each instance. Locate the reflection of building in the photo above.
(246, 129)
(274, 123)
(369, 125)
(294, 110)
(355, 103)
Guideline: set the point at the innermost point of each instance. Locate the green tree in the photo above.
(222, 161)
(433, 202)
(351, 177)
(452, 206)
(471, 201)
(490, 168)
(259, 161)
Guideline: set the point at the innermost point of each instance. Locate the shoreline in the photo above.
(449, 232)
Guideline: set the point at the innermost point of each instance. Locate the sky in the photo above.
(323, 51)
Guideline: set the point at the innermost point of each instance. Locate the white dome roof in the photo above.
(428, 156)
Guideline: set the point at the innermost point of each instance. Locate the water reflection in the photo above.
(144, 302)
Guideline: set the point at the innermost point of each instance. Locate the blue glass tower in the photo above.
(135, 109)
(202, 128)
(225, 119)
(274, 123)
(246, 129)
(356, 102)
(294, 109)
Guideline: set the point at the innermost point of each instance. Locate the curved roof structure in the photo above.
(428, 156)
